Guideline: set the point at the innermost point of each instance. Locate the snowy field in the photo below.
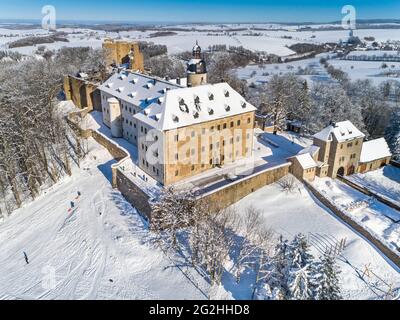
(376, 217)
(384, 181)
(100, 250)
(263, 73)
(271, 41)
(289, 214)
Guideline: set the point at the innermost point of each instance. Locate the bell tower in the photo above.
(196, 68)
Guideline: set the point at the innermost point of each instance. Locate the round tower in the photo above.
(115, 117)
(196, 68)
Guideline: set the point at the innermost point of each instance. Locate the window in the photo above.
(158, 172)
(192, 167)
(210, 161)
(248, 120)
(193, 134)
(176, 137)
(224, 126)
(176, 173)
(341, 146)
(134, 125)
(238, 122)
(212, 128)
(219, 127)
(211, 146)
(141, 128)
(176, 156)
(231, 124)
(231, 141)
(130, 109)
(145, 130)
(356, 143)
(130, 123)
(349, 145)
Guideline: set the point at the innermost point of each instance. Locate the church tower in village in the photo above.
(196, 68)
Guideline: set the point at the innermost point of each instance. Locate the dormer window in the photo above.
(175, 118)
(109, 85)
(132, 94)
(244, 104)
(210, 96)
(196, 99)
(210, 111)
(227, 108)
(135, 80)
(120, 89)
(226, 93)
(195, 114)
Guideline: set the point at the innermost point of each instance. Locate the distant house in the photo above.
(339, 149)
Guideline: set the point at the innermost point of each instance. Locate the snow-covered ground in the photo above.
(271, 41)
(300, 212)
(100, 250)
(384, 181)
(376, 217)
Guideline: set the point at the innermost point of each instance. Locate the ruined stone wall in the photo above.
(84, 94)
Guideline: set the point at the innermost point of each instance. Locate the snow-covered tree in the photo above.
(302, 269)
(328, 280)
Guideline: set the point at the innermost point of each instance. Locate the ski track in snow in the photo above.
(95, 256)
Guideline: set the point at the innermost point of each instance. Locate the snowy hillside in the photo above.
(100, 250)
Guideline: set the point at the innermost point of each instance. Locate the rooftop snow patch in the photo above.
(187, 106)
(306, 161)
(374, 150)
(342, 131)
(312, 150)
(136, 88)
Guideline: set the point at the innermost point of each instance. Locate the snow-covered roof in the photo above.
(374, 150)
(187, 106)
(312, 150)
(306, 161)
(342, 131)
(136, 88)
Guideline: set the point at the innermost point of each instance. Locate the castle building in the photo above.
(179, 131)
(196, 68)
(339, 150)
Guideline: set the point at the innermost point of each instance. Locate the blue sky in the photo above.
(200, 11)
